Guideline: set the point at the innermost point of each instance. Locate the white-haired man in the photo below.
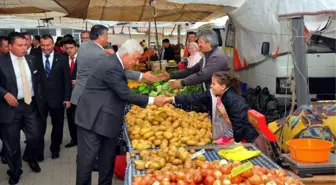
(100, 112)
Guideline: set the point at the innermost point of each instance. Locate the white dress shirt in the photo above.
(75, 57)
(28, 50)
(17, 72)
(51, 59)
(150, 99)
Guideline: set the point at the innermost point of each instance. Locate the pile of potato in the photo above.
(166, 159)
(167, 126)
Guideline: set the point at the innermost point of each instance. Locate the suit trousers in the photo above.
(90, 146)
(71, 122)
(57, 122)
(26, 118)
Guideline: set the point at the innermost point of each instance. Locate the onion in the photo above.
(217, 174)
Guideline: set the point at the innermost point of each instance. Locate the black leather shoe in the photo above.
(40, 158)
(71, 144)
(34, 166)
(4, 160)
(55, 155)
(13, 179)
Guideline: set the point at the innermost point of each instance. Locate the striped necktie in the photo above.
(47, 66)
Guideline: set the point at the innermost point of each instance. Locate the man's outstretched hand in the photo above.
(164, 76)
(149, 77)
(162, 100)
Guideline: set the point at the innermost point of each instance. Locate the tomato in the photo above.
(198, 177)
(256, 180)
(226, 169)
(188, 178)
(247, 174)
(209, 180)
(180, 175)
(172, 177)
(217, 174)
(173, 183)
(159, 177)
(236, 179)
(204, 172)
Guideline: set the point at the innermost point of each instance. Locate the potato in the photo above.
(157, 142)
(139, 164)
(155, 123)
(191, 142)
(141, 116)
(158, 133)
(144, 153)
(153, 165)
(137, 136)
(151, 139)
(188, 164)
(174, 140)
(168, 135)
(148, 135)
(176, 162)
(138, 121)
(144, 130)
(160, 137)
(158, 119)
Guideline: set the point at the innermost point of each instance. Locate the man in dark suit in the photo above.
(20, 105)
(56, 92)
(4, 45)
(36, 41)
(167, 52)
(30, 49)
(71, 47)
(100, 112)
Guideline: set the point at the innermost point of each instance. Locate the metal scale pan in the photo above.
(310, 169)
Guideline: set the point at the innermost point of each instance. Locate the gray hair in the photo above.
(194, 45)
(210, 36)
(130, 46)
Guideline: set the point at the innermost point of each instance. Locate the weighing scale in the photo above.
(309, 169)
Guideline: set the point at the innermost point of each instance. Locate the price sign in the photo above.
(241, 168)
(196, 154)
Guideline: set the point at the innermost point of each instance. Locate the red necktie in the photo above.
(72, 65)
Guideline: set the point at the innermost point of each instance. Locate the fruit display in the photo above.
(162, 88)
(134, 84)
(217, 173)
(166, 159)
(167, 126)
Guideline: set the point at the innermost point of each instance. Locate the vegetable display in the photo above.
(166, 159)
(134, 84)
(162, 88)
(167, 126)
(217, 173)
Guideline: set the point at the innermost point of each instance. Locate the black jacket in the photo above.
(8, 84)
(235, 106)
(169, 54)
(57, 88)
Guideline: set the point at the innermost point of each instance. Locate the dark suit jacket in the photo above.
(57, 88)
(215, 61)
(236, 108)
(169, 54)
(101, 106)
(8, 84)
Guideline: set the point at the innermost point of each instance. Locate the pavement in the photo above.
(61, 171)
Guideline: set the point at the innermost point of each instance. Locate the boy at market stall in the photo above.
(228, 109)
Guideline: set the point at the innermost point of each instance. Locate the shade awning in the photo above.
(140, 10)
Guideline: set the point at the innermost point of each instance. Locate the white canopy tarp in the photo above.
(258, 21)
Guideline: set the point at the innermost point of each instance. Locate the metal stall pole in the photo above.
(152, 3)
(300, 62)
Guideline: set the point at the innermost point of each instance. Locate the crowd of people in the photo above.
(41, 78)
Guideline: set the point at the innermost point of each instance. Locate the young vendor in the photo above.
(228, 108)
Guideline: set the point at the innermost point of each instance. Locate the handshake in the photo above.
(162, 100)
